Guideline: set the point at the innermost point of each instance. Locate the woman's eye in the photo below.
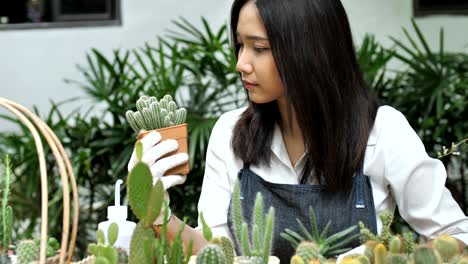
(260, 49)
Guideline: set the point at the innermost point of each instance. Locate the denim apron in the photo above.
(292, 201)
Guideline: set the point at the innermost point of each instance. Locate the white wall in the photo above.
(33, 63)
(385, 18)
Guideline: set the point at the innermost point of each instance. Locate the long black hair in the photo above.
(312, 47)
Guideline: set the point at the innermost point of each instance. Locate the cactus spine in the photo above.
(153, 114)
(211, 254)
(6, 215)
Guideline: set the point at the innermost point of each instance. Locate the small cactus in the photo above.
(447, 246)
(262, 227)
(6, 212)
(105, 253)
(308, 251)
(426, 255)
(211, 254)
(329, 246)
(227, 247)
(154, 114)
(396, 259)
(380, 254)
(27, 251)
(297, 260)
(405, 243)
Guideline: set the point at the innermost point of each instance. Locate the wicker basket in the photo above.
(37, 127)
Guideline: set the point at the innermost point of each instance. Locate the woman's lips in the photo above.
(249, 85)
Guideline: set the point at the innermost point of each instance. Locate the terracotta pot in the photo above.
(178, 133)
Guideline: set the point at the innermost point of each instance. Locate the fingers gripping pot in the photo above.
(166, 118)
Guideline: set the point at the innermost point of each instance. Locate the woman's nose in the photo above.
(243, 64)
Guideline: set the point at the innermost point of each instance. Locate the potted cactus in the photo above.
(165, 117)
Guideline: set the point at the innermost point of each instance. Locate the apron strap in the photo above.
(359, 186)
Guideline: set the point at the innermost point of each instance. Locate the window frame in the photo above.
(446, 10)
(112, 17)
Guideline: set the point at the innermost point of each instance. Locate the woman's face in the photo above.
(255, 60)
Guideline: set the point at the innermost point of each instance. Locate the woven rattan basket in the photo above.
(37, 128)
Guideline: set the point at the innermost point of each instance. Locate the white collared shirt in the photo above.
(400, 171)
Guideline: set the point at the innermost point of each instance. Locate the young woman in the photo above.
(313, 136)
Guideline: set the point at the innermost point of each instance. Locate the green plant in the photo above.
(262, 227)
(426, 255)
(146, 201)
(6, 215)
(27, 251)
(327, 246)
(105, 253)
(224, 242)
(447, 246)
(395, 243)
(211, 254)
(154, 114)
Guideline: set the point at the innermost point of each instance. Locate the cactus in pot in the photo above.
(165, 117)
(323, 245)
(258, 246)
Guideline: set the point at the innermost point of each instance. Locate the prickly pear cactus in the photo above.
(142, 245)
(27, 251)
(211, 254)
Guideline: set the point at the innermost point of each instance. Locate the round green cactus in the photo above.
(426, 255)
(397, 259)
(211, 254)
(308, 251)
(447, 246)
(27, 251)
(227, 247)
(153, 114)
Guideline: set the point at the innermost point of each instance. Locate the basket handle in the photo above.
(64, 166)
